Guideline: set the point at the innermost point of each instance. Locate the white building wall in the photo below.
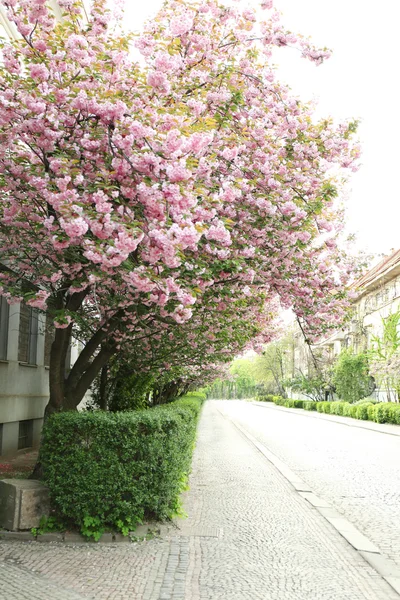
(24, 389)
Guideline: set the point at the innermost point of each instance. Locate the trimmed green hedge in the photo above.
(112, 470)
(309, 405)
(265, 397)
(382, 412)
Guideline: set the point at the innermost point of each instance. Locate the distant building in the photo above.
(377, 296)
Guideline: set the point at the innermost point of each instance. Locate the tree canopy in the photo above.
(164, 208)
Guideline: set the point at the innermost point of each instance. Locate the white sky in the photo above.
(360, 80)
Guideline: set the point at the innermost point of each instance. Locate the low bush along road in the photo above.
(354, 469)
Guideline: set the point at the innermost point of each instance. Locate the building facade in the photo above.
(377, 295)
(25, 340)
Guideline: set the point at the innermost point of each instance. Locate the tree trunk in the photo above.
(75, 389)
(66, 394)
(103, 388)
(58, 354)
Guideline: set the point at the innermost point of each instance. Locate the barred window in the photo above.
(28, 334)
(4, 316)
(25, 434)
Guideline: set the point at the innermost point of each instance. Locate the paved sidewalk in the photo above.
(248, 536)
(16, 582)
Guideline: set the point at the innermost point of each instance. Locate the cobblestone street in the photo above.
(249, 535)
(355, 469)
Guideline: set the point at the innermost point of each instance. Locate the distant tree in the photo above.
(309, 385)
(271, 368)
(351, 376)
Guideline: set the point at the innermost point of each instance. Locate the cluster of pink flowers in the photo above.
(40, 300)
(177, 192)
(181, 24)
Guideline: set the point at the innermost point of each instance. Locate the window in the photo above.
(25, 434)
(28, 334)
(4, 314)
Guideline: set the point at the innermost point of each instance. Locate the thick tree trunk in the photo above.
(166, 393)
(58, 354)
(75, 389)
(103, 388)
(66, 394)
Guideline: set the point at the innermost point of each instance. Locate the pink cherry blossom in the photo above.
(167, 207)
(181, 24)
(39, 71)
(40, 300)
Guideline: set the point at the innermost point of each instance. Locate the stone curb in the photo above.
(72, 537)
(348, 421)
(386, 568)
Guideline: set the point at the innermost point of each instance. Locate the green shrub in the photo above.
(264, 398)
(278, 400)
(362, 411)
(371, 412)
(395, 414)
(298, 403)
(382, 412)
(336, 408)
(386, 412)
(326, 407)
(353, 411)
(351, 377)
(112, 470)
(367, 401)
(309, 405)
(347, 409)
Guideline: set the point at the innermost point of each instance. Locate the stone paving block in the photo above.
(359, 541)
(121, 539)
(106, 538)
(140, 531)
(72, 537)
(342, 524)
(300, 486)
(315, 500)
(20, 536)
(23, 502)
(394, 582)
(385, 567)
(50, 537)
(331, 513)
